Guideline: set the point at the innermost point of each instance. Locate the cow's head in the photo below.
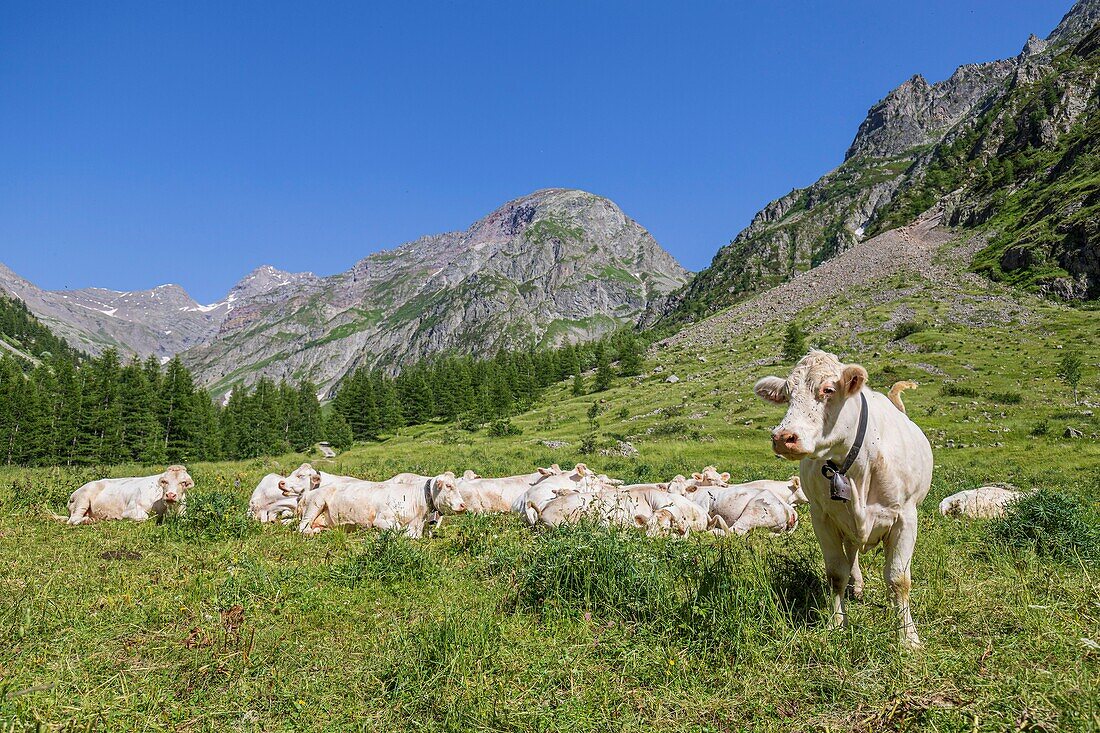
(815, 393)
(446, 497)
(470, 475)
(302, 479)
(174, 483)
(710, 476)
(680, 484)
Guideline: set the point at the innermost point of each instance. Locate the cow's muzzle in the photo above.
(788, 445)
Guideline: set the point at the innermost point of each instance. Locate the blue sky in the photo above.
(149, 142)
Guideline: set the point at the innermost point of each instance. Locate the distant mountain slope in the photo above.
(24, 336)
(552, 266)
(162, 321)
(894, 149)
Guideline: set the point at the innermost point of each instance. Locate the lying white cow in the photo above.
(885, 479)
(740, 510)
(269, 502)
(276, 498)
(131, 498)
(658, 511)
(382, 505)
(552, 483)
(987, 502)
(786, 491)
(498, 495)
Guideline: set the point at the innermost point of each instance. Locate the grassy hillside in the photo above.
(214, 624)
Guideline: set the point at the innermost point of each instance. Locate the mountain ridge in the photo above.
(894, 146)
(555, 264)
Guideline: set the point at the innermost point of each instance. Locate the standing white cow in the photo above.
(864, 467)
(131, 498)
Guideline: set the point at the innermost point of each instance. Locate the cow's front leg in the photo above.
(899, 556)
(838, 566)
(855, 582)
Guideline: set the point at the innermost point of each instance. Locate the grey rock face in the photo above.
(811, 225)
(162, 321)
(554, 266)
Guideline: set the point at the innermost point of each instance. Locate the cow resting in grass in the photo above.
(886, 480)
(131, 498)
(276, 498)
(378, 504)
(740, 510)
(987, 502)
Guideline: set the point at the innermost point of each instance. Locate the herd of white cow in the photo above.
(886, 462)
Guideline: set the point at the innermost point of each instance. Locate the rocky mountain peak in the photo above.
(1080, 19)
(266, 278)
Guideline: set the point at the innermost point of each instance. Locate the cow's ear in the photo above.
(315, 480)
(852, 379)
(546, 471)
(697, 476)
(725, 476)
(581, 469)
(795, 482)
(555, 468)
(772, 389)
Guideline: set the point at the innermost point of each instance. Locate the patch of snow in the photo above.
(859, 233)
(108, 312)
(167, 333)
(164, 360)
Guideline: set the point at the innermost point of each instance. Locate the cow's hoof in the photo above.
(856, 594)
(911, 643)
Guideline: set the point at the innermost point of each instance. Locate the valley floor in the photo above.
(215, 624)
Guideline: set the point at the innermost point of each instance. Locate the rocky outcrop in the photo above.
(554, 266)
(892, 152)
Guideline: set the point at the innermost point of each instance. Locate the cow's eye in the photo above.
(828, 390)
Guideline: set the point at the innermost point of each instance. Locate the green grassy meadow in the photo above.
(217, 624)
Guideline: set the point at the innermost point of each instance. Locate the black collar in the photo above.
(428, 494)
(830, 470)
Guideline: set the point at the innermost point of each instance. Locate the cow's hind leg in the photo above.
(899, 556)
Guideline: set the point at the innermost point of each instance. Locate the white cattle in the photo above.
(658, 511)
(131, 498)
(869, 496)
(553, 484)
(377, 504)
(785, 491)
(498, 495)
(987, 502)
(740, 510)
(269, 502)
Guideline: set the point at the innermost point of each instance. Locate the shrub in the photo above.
(1006, 398)
(470, 424)
(955, 389)
(212, 514)
(589, 443)
(906, 329)
(1053, 525)
(388, 557)
(503, 428)
(794, 342)
(1041, 428)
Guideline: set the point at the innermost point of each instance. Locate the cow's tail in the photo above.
(55, 517)
(895, 393)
